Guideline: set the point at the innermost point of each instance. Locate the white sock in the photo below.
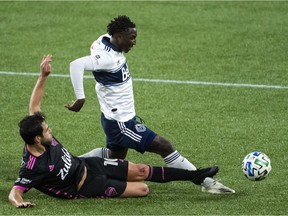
(98, 152)
(178, 161)
(207, 182)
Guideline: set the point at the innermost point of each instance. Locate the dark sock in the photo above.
(167, 174)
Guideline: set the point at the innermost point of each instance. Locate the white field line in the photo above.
(160, 81)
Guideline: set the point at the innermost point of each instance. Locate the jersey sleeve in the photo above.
(102, 55)
(102, 61)
(77, 68)
(27, 179)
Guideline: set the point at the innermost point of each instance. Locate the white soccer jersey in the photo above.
(113, 82)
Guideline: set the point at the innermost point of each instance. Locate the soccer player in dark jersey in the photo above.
(115, 95)
(52, 169)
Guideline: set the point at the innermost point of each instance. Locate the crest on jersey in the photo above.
(54, 142)
(51, 168)
(140, 127)
(97, 56)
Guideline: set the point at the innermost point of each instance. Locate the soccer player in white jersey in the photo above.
(115, 95)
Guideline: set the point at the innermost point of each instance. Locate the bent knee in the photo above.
(144, 171)
(138, 172)
(136, 189)
(145, 190)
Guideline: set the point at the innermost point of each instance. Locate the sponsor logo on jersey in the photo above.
(67, 164)
(23, 180)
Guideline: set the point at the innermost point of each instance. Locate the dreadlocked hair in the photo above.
(119, 24)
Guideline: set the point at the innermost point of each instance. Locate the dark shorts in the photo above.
(123, 135)
(105, 178)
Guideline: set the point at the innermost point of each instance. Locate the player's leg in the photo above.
(171, 156)
(128, 171)
(97, 152)
(161, 175)
(110, 177)
(105, 178)
(138, 172)
(133, 134)
(174, 159)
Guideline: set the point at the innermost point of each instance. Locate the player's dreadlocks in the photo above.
(120, 24)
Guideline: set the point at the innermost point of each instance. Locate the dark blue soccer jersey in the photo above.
(56, 172)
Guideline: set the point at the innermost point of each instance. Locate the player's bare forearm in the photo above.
(15, 198)
(37, 94)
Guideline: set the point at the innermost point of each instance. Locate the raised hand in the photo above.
(45, 66)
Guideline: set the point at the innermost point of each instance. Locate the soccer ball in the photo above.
(256, 166)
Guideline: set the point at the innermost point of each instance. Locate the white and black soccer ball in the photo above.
(256, 166)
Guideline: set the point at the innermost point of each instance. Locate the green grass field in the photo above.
(214, 42)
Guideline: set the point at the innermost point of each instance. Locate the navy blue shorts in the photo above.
(123, 135)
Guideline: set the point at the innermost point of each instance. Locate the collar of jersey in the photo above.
(106, 42)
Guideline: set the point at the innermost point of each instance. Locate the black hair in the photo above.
(31, 126)
(119, 24)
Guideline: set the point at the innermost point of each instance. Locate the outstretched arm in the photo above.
(77, 68)
(37, 94)
(15, 198)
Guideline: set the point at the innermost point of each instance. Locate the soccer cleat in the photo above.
(217, 188)
(204, 173)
